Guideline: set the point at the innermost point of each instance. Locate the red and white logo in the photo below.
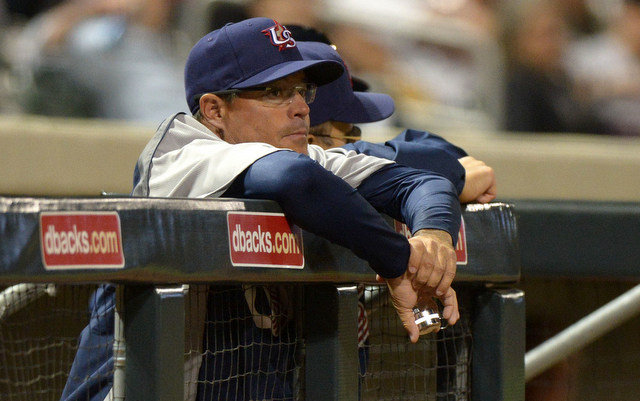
(461, 246)
(81, 240)
(280, 36)
(264, 240)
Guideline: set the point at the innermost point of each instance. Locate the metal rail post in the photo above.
(498, 346)
(331, 326)
(154, 332)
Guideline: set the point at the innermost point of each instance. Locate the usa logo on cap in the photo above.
(280, 36)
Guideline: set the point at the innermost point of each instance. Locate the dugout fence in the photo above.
(580, 272)
(167, 258)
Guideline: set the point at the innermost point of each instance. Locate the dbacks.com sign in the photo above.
(81, 240)
(265, 240)
(461, 246)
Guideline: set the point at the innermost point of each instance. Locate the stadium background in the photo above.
(59, 155)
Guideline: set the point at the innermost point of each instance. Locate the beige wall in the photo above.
(45, 156)
(553, 166)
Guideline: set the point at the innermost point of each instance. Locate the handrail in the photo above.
(579, 239)
(167, 241)
(581, 333)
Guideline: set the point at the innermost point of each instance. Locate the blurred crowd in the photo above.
(512, 65)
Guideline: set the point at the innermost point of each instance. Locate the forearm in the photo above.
(421, 200)
(434, 155)
(321, 203)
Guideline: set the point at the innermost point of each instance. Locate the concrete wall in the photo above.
(63, 157)
(49, 156)
(554, 166)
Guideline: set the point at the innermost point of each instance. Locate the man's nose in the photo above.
(299, 105)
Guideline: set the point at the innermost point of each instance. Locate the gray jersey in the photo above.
(185, 159)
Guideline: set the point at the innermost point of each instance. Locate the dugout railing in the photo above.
(165, 243)
(584, 242)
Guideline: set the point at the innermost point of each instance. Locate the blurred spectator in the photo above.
(580, 17)
(102, 58)
(539, 96)
(27, 9)
(302, 12)
(606, 67)
(426, 54)
(310, 34)
(435, 65)
(14, 14)
(221, 13)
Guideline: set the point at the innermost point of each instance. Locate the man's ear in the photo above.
(213, 109)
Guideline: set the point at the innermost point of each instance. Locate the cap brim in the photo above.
(319, 72)
(366, 108)
(359, 85)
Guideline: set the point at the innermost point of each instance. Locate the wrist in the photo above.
(440, 235)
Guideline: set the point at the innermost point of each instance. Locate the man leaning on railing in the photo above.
(248, 88)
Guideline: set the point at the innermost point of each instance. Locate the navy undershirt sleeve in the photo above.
(419, 199)
(421, 150)
(429, 139)
(320, 202)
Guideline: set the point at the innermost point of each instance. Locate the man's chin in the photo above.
(297, 143)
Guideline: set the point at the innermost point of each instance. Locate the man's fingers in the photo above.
(442, 268)
(489, 194)
(485, 198)
(480, 181)
(431, 270)
(450, 303)
(409, 322)
(404, 298)
(426, 270)
(446, 273)
(418, 249)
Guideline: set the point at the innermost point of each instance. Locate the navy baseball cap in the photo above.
(337, 101)
(304, 33)
(249, 53)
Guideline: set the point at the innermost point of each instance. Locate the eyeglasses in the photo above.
(355, 134)
(273, 96)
